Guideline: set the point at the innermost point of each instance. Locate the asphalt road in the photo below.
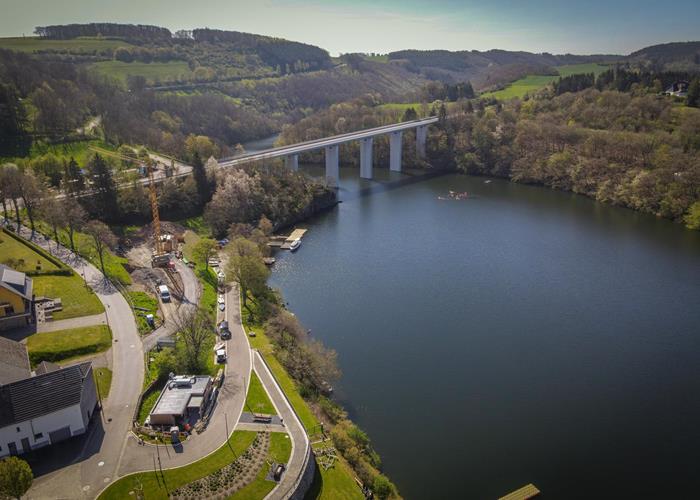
(98, 460)
(228, 408)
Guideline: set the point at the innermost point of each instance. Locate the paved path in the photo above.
(66, 324)
(97, 463)
(192, 293)
(229, 406)
(300, 441)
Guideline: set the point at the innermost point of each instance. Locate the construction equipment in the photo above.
(161, 255)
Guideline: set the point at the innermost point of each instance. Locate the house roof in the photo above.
(46, 367)
(43, 394)
(14, 361)
(16, 282)
(174, 400)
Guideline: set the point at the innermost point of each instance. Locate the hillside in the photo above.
(676, 56)
(488, 68)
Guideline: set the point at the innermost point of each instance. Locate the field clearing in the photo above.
(152, 72)
(83, 44)
(532, 83)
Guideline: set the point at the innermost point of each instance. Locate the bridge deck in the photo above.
(325, 142)
(524, 493)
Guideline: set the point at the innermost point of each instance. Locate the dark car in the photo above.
(224, 332)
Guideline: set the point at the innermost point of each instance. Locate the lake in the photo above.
(518, 335)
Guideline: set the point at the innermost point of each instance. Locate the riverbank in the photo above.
(345, 474)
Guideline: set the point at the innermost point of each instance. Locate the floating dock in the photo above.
(297, 234)
(524, 493)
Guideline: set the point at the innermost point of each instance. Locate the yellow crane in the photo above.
(160, 257)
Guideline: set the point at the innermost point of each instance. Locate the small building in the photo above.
(678, 89)
(41, 409)
(182, 400)
(15, 298)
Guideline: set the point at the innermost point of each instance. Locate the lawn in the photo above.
(76, 298)
(143, 304)
(152, 484)
(533, 83)
(257, 400)
(103, 377)
(153, 72)
(280, 450)
(22, 257)
(148, 401)
(82, 44)
(64, 345)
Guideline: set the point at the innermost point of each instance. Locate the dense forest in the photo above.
(617, 140)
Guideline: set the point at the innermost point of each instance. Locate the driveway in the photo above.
(97, 462)
(192, 293)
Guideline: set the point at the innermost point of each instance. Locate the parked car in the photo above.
(164, 293)
(221, 355)
(224, 332)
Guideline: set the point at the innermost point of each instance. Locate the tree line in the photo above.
(126, 31)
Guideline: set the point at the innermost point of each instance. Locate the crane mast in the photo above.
(159, 257)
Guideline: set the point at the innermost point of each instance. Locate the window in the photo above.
(38, 436)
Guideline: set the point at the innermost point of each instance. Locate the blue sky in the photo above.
(582, 27)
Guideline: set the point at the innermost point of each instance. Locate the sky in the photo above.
(341, 26)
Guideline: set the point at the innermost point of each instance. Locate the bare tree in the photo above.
(195, 328)
(52, 212)
(31, 191)
(75, 219)
(102, 239)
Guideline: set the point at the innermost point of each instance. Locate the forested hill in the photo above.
(488, 67)
(676, 56)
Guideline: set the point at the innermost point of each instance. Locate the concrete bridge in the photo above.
(331, 146)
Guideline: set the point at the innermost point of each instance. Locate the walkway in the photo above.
(300, 441)
(66, 324)
(97, 463)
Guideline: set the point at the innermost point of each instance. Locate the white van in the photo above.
(164, 293)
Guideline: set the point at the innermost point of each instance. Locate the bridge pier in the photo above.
(395, 151)
(366, 158)
(292, 162)
(421, 137)
(332, 165)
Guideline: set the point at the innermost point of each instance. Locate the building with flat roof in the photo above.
(181, 400)
(35, 411)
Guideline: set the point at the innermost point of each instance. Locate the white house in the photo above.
(52, 405)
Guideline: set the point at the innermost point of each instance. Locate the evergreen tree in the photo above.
(105, 187)
(200, 178)
(694, 93)
(409, 114)
(73, 180)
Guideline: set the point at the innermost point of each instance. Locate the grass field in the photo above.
(103, 377)
(257, 400)
(142, 300)
(76, 298)
(152, 485)
(17, 255)
(533, 83)
(83, 44)
(64, 345)
(152, 72)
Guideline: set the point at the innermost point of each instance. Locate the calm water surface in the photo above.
(521, 335)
